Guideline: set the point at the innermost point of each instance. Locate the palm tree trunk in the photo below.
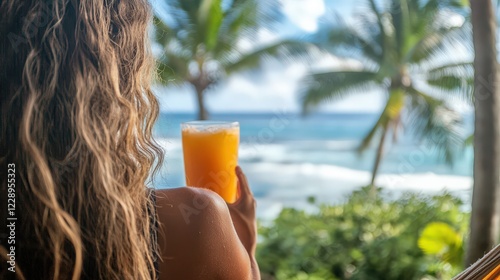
(378, 157)
(484, 228)
(202, 111)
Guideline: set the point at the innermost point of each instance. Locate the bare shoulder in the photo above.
(190, 205)
(196, 236)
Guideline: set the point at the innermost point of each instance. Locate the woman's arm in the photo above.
(197, 238)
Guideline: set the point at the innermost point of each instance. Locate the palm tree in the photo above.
(484, 219)
(404, 49)
(200, 41)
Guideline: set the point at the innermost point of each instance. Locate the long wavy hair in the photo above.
(76, 118)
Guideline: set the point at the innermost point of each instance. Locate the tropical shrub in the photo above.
(367, 237)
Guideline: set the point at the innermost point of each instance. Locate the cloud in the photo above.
(304, 13)
(274, 88)
(264, 37)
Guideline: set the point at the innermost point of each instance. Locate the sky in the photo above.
(276, 86)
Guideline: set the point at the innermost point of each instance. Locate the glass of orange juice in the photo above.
(211, 155)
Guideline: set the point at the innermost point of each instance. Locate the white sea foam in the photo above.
(292, 184)
(286, 174)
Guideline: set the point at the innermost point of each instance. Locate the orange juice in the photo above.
(211, 155)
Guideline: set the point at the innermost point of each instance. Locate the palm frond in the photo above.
(182, 13)
(207, 32)
(268, 13)
(181, 25)
(345, 41)
(423, 14)
(464, 68)
(435, 123)
(210, 17)
(363, 39)
(190, 7)
(291, 50)
(240, 21)
(382, 35)
(400, 16)
(438, 43)
(331, 86)
(447, 82)
(455, 79)
(431, 32)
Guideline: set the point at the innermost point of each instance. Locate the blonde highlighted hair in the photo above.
(76, 119)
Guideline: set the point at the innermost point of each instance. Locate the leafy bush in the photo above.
(367, 237)
(441, 240)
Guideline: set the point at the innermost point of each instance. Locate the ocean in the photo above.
(289, 158)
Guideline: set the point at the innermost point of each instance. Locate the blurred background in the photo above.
(356, 124)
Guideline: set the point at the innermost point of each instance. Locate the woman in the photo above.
(76, 149)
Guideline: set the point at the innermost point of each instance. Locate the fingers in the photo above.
(244, 187)
(245, 196)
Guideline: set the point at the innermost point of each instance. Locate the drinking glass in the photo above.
(210, 156)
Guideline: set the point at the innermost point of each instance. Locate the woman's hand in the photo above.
(210, 239)
(243, 214)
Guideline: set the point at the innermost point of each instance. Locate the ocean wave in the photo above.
(283, 152)
(285, 174)
(289, 185)
(322, 172)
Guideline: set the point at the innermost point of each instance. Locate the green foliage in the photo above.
(368, 237)
(440, 239)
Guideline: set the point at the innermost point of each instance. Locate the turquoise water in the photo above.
(288, 157)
